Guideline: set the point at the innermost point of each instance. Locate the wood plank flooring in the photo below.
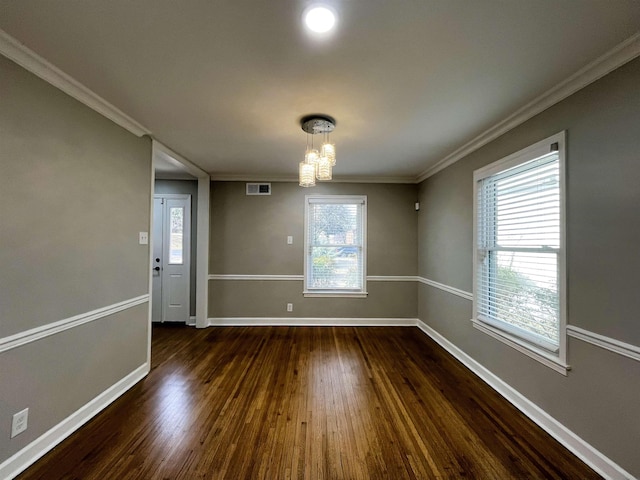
(307, 403)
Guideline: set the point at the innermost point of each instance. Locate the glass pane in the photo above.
(334, 224)
(176, 247)
(335, 267)
(521, 288)
(528, 207)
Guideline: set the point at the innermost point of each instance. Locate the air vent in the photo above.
(258, 189)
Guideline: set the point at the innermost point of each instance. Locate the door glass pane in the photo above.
(176, 247)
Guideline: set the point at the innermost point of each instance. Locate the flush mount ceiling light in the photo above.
(317, 164)
(319, 19)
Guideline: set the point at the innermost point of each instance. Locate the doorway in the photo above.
(171, 258)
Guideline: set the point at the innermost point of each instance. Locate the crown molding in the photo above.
(251, 178)
(294, 179)
(160, 149)
(614, 58)
(34, 63)
(363, 179)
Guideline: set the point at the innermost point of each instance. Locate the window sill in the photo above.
(539, 354)
(335, 294)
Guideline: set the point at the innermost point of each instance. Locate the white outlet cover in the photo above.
(19, 422)
(289, 307)
(290, 240)
(143, 238)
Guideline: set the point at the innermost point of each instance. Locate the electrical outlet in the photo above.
(19, 422)
(143, 238)
(289, 307)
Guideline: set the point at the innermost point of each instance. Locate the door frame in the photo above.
(202, 241)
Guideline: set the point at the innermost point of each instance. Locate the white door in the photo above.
(171, 258)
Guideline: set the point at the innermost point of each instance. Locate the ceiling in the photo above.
(224, 83)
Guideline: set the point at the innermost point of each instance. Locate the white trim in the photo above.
(446, 288)
(614, 58)
(20, 461)
(392, 278)
(202, 251)
(171, 156)
(310, 322)
(34, 63)
(524, 347)
(150, 252)
(611, 344)
(225, 276)
(294, 179)
(337, 294)
(33, 334)
(534, 151)
(579, 447)
(370, 278)
(202, 241)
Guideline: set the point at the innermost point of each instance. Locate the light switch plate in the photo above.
(143, 238)
(290, 240)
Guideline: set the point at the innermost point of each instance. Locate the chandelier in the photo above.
(317, 164)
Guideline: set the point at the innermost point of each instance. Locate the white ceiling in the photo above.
(224, 83)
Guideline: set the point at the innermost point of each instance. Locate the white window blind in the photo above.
(518, 234)
(335, 244)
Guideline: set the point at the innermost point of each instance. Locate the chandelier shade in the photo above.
(329, 150)
(317, 165)
(323, 169)
(307, 174)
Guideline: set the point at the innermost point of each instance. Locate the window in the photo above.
(335, 245)
(176, 234)
(519, 291)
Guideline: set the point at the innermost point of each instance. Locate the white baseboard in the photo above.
(20, 461)
(311, 322)
(580, 448)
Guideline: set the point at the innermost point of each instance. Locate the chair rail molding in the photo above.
(33, 334)
(446, 288)
(616, 346)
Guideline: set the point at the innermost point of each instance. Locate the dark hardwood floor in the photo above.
(307, 402)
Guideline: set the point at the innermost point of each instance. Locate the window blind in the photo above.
(518, 233)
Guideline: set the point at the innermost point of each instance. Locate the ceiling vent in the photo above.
(258, 189)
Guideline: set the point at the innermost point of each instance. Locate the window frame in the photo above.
(505, 332)
(361, 201)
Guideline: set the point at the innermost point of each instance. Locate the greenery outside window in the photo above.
(335, 245)
(519, 266)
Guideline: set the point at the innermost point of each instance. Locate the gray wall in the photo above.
(248, 236)
(598, 399)
(74, 193)
(186, 187)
